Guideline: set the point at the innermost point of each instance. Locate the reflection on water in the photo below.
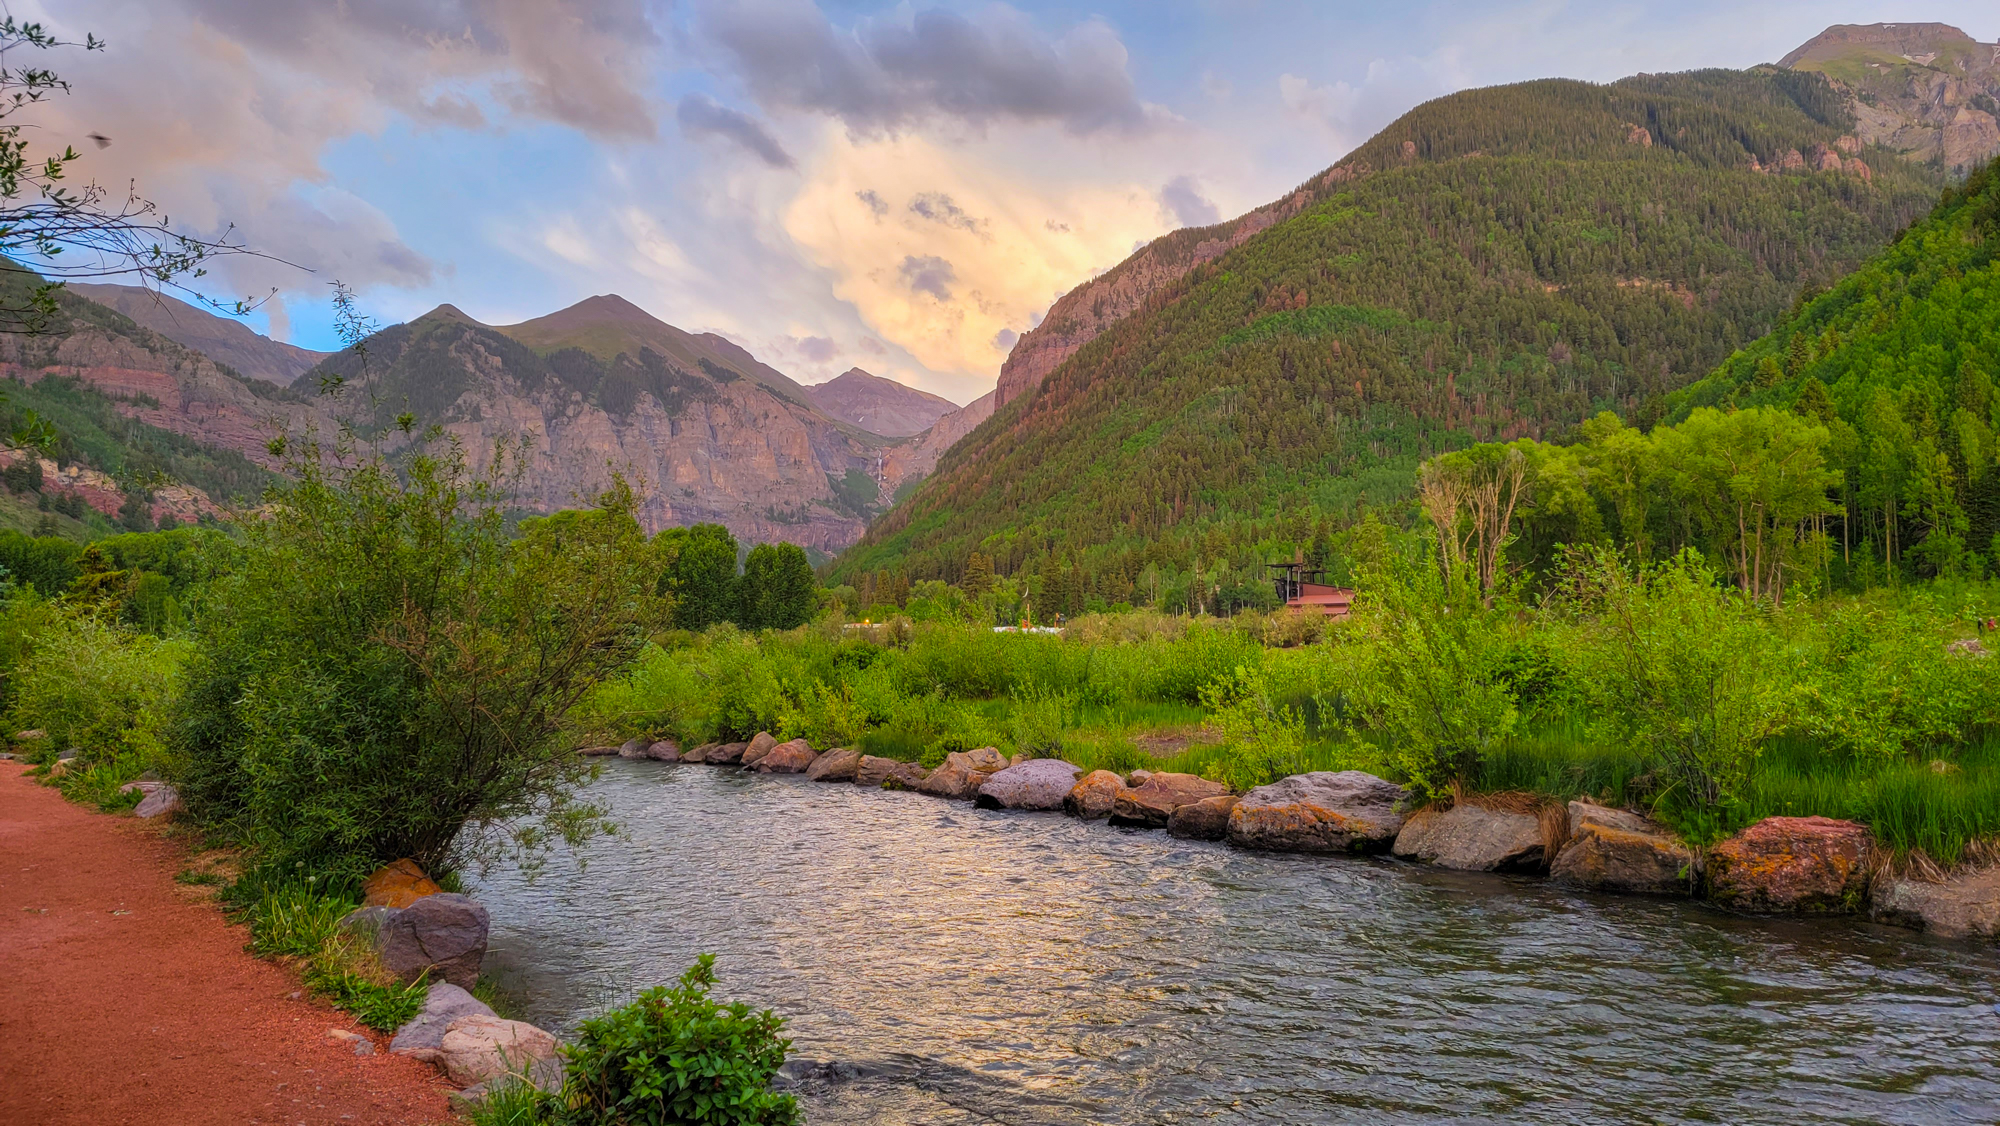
(981, 966)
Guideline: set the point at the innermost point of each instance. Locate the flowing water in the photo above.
(965, 966)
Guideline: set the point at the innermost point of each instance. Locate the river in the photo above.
(971, 966)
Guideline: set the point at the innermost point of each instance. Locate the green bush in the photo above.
(94, 686)
(677, 1057)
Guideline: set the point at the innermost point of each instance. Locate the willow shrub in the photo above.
(92, 685)
(390, 666)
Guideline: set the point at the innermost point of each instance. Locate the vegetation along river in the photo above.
(983, 966)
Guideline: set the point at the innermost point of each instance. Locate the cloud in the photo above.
(939, 208)
(886, 77)
(873, 346)
(874, 203)
(1182, 201)
(1005, 338)
(700, 114)
(817, 349)
(929, 274)
(1053, 227)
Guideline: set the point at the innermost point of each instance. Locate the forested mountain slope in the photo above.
(1497, 263)
(1899, 360)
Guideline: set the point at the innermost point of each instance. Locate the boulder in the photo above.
(1324, 811)
(478, 1048)
(1967, 905)
(163, 802)
(633, 748)
(728, 754)
(888, 772)
(961, 774)
(787, 758)
(760, 745)
(1150, 805)
(1093, 795)
(366, 923)
(1617, 850)
(1038, 783)
(443, 1004)
(1205, 820)
(397, 884)
(837, 765)
(666, 750)
(141, 787)
(29, 735)
(442, 933)
(1806, 865)
(701, 753)
(596, 752)
(1473, 838)
(1138, 778)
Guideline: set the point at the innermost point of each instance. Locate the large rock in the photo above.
(1205, 820)
(596, 752)
(443, 933)
(877, 772)
(1808, 865)
(666, 750)
(1965, 906)
(728, 754)
(633, 748)
(1093, 795)
(761, 744)
(1152, 804)
(962, 773)
(398, 883)
(1324, 811)
(477, 1048)
(837, 765)
(1472, 838)
(1617, 850)
(1039, 783)
(443, 1003)
(786, 758)
(163, 802)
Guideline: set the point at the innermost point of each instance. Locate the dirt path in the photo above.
(125, 997)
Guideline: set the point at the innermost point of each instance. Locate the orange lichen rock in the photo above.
(1812, 865)
(397, 884)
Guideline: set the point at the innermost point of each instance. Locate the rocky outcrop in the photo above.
(1473, 838)
(1093, 795)
(1040, 783)
(1807, 865)
(442, 934)
(837, 765)
(916, 457)
(398, 883)
(876, 772)
(1966, 905)
(962, 773)
(1205, 820)
(1926, 91)
(1617, 850)
(1325, 811)
(794, 757)
(1152, 804)
(760, 745)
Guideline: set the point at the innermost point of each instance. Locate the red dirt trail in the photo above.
(126, 998)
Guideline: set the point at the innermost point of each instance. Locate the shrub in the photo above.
(677, 1056)
(1040, 720)
(94, 686)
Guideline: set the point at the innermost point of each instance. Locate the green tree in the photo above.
(699, 574)
(778, 589)
(978, 574)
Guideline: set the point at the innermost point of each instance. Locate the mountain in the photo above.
(1900, 358)
(878, 405)
(1926, 91)
(709, 433)
(227, 342)
(1496, 263)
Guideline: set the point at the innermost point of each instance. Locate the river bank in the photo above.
(129, 999)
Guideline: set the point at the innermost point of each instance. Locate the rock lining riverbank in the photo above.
(1778, 866)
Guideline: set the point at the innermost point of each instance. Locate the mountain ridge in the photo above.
(880, 405)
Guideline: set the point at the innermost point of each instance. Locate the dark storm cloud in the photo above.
(928, 275)
(701, 114)
(884, 76)
(1182, 199)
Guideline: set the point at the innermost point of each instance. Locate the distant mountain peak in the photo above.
(879, 405)
(450, 312)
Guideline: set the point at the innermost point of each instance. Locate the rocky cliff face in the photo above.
(1926, 91)
(910, 460)
(223, 340)
(878, 405)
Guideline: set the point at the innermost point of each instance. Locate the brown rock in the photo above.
(701, 753)
(597, 752)
(478, 1048)
(728, 754)
(163, 802)
(1472, 838)
(837, 765)
(878, 772)
(666, 750)
(760, 745)
(633, 748)
(1205, 820)
(397, 884)
(442, 935)
(962, 773)
(1038, 783)
(1150, 805)
(1093, 795)
(1324, 811)
(1808, 865)
(1965, 906)
(1616, 850)
(794, 757)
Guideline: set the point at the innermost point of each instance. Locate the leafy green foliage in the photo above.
(777, 589)
(94, 686)
(699, 574)
(677, 1057)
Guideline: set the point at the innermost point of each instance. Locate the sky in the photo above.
(904, 188)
